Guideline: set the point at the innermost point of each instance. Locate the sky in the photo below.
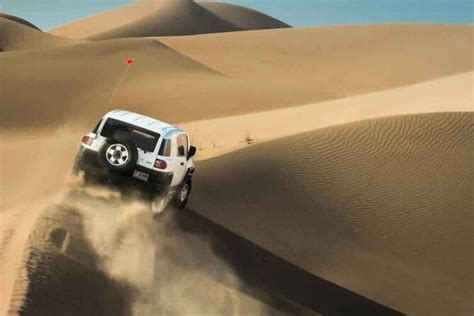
(49, 13)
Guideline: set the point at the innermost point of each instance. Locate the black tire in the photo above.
(126, 148)
(181, 199)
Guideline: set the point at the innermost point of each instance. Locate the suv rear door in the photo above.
(145, 140)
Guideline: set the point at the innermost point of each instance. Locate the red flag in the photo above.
(130, 60)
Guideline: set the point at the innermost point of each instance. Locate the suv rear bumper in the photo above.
(87, 161)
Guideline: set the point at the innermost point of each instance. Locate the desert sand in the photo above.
(166, 18)
(357, 168)
(252, 128)
(289, 72)
(17, 36)
(385, 201)
(18, 20)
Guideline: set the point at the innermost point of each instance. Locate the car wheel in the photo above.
(118, 155)
(182, 196)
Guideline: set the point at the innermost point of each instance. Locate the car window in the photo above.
(165, 148)
(182, 142)
(144, 139)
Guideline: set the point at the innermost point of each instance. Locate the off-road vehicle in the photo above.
(133, 151)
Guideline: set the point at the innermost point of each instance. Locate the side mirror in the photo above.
(191, 152)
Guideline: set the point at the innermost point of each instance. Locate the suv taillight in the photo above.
(87, 140)
(160, 164)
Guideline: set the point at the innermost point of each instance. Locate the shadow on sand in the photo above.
(274, 280)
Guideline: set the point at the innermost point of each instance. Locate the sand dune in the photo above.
(332, 62)
(15, 35)
(379, 206)
(83, 82)
(167, 17)
(106, 21)
(166, 84)
(382, 207)
(242, 18)
(18, 20)
(453, 94)
(59, 271)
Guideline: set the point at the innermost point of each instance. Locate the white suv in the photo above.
(130, 150)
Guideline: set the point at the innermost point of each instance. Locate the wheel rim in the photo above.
(117, 155)
(184, 192)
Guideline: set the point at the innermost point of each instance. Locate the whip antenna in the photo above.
(129, 62)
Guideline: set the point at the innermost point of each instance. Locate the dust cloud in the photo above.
(163, 266)
(166, 268)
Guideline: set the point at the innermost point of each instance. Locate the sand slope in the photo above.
(15, 35)
(167, 17)
(284, 69)
(242, 18)
(382, 207)
(60, 273)
(18, 20)
(453, 94)
(80, 79)
(335, 61)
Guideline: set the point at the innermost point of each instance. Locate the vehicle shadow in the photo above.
(274, 280)
(189, 243)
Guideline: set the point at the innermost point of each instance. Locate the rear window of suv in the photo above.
(165, 148)
(144, 139)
